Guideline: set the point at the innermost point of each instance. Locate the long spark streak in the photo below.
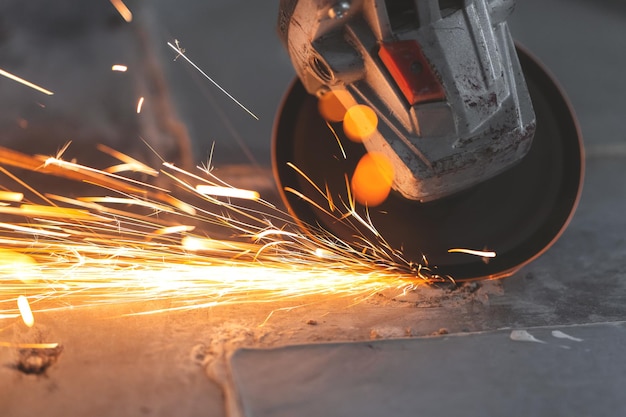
(29, 345)
(26, 83)
(181, 52)
(123, 10)
(88, 251)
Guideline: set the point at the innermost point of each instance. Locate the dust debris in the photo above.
(471, 287)
(561, 335)
(311, 322)
(448, 296)
(387, 333)
(198, 354)
(36, 361)
(524, 336)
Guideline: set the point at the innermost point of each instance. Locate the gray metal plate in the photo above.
(480, 374)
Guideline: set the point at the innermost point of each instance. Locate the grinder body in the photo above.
(483, 149)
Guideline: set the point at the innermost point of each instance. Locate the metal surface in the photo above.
(563, 373)
(518, 214)
(452, 106)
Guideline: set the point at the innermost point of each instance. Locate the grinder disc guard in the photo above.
(518, 214)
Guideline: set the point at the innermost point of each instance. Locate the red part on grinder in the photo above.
(411, 71)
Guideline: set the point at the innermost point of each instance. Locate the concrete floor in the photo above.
(174, 363)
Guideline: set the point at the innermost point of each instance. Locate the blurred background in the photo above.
(69, 48)
(582, 42)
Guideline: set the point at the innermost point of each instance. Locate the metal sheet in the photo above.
(573, 371)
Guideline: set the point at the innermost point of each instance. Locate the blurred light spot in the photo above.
(372, 179)
(334, 104)
(360, 122)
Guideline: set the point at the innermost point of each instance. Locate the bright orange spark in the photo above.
(122, 10)
(25, 311)
(30, 345)
(26, 83)
(34, 231)
(131, 164)
(119, 67)
(173, 230)
(34, 210)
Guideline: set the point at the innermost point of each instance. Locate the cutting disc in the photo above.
(518, 214)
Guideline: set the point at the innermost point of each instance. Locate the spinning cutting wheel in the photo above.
(518, 214)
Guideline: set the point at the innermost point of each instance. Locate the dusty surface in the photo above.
(167, 363)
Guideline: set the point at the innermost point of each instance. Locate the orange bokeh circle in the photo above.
(372, 179)
(360, 122)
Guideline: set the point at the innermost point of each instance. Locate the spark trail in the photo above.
(181, 53)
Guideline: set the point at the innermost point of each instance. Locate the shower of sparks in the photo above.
(119, 68)
(125, 241)
(181, 53)
(124, 11)
(139, 105)
(26, 83)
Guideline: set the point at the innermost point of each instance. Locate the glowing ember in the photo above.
(122, 10)
(25, 311)
(26, 83)
(120, 68)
